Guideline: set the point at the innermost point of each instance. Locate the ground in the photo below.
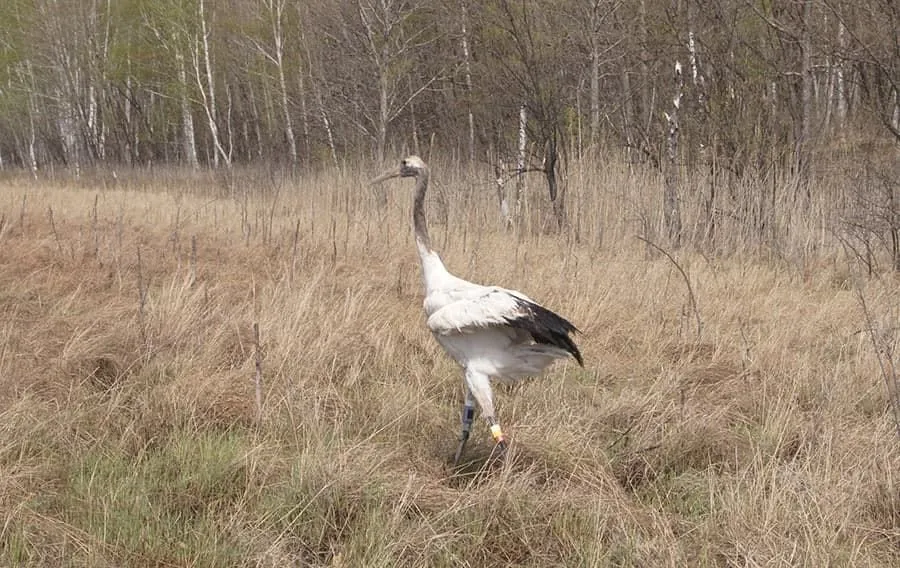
(750, 426)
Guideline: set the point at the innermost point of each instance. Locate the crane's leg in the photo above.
(480, 387)
(468, 416)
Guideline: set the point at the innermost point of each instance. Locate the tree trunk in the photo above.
(209, 92)
(304, 113)
(520, 159)
(383, 116)
(468, 74)
(806, 85)
(328, 132)
(671, 210)
(276, 13)
(550, 168)
(840, 87)
(317, 94)
(32, 113)
(595, 76)
(646, 102)
(189, 144)
(257, 129)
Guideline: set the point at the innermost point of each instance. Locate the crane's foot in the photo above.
(468, 416)
(500, 439)
(499, 450)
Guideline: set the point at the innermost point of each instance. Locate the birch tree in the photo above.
(467, 70)
(385, 42)
(169, 23)
(533, 65)
(671, 208)
(273, 12)
(206, 84)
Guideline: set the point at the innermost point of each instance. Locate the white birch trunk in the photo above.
(304, 112)
(94, 127)
(32, 138)
(468, 74)
(806, 94)
(671, 209)
(647, 101)
(189, 143)
(276, 13)
(840, 93)
(697, 79)
(208, 92)
(326, 124)
(229, 125)
(692, 48)
(317, 94)
(595, 76)
(329, 134)
(383, 110)
(286, 107)
(254, 109)
(520, 159)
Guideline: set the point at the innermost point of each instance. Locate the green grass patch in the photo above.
(165, 506)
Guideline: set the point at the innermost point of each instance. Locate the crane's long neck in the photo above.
(423, 242)
(433, 270)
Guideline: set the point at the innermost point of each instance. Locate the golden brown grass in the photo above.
(129, 434)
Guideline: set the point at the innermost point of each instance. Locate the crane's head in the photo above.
(411, 166)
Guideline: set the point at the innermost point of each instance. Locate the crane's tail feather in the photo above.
(547, 327)
(529, 361)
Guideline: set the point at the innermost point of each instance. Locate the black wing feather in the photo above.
(546, 327)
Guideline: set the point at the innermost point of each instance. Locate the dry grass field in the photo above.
(129, 432)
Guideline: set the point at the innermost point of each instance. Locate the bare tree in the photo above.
(174, 36)
(316, 80)
(391, 47)
(534, 65)
(207, 86)
(275, 54)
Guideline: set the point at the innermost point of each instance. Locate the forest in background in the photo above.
(777, 93)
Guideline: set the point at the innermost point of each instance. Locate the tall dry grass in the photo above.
(129, 433)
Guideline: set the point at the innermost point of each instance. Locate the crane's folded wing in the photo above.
(498, 307)
(487, 309)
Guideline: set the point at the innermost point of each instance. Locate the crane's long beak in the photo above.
(392, 173)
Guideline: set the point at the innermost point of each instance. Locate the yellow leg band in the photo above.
(497, 432)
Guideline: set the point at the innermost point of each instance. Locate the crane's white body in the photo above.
(491, 332)
(471, 323)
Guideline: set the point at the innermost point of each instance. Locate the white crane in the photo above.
(491, 332)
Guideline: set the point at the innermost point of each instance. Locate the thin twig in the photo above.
(142, 296)
(294, 246)
(257, 380)
(687, 282)
(53, 228)
(95, 229)
(22, 213)
(193, 268)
